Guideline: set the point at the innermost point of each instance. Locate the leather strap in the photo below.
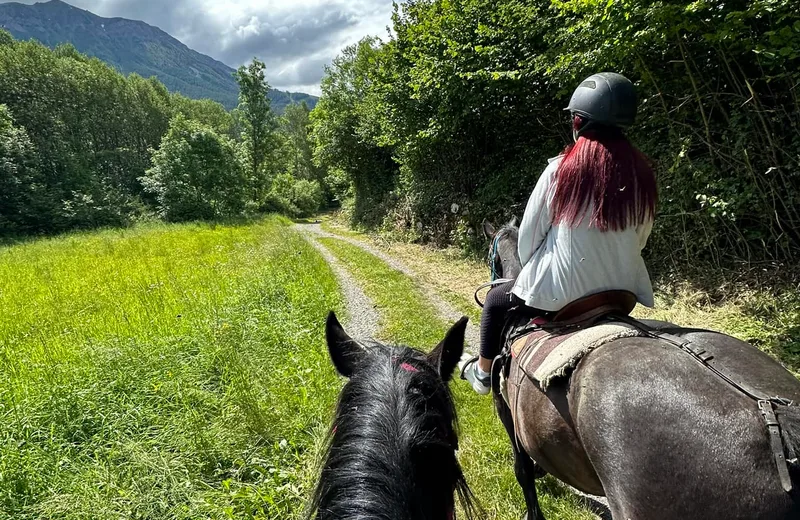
(774, 429)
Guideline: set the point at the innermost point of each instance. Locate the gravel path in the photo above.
(445, 310)
(362, 320)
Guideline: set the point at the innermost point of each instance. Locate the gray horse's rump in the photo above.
(669, 439)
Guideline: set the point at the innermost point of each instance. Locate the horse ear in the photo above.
(514, 222)
(345, 352)
(488, 229)
(448, 352)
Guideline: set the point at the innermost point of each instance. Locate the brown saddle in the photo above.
(533, 341)
(590, 308)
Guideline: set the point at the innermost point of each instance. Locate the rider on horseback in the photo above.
(585, 224)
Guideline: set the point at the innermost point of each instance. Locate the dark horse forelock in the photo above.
(391, 450)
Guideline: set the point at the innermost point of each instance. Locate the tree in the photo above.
(205, 111)
(22, 197)
(258, 124)
(346, 131)
(296, 125)
(196, 174)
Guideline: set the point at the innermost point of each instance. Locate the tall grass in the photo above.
(162, 372)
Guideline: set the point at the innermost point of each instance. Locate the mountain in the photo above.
(133, 46)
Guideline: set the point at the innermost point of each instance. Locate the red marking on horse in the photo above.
(408, 368)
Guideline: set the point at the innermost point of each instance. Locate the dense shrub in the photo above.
(196, 174)
(81, 136)
(21, 187)
(297, 198)
(464, 104)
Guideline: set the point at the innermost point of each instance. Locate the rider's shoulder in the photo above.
(554, 159)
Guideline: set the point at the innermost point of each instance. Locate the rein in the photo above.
(499, 281)
(492, 254)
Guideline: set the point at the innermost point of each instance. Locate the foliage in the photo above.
(163, 372)
(467, 100)
(196, 174)
(204, 111)
(91, 130)
(296, 125)
(346, 139)
(79, 139)
(258, 125)
(295, 197)
(19, 178)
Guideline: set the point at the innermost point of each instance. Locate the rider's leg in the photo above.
(497, 304)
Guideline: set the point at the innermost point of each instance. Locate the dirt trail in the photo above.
(362, 319)
(445, 310)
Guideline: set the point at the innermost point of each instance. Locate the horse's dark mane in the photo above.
(391, 451)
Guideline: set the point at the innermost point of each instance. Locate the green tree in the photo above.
(196, 174)
(258, 125)
(205, 111)
(22, 193)
(296, 125)
(346, 136)
(466, 102)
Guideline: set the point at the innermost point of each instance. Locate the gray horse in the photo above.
(643, 423)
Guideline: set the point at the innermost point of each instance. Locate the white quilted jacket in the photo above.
(562, 264)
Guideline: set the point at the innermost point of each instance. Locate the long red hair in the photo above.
(605, 173)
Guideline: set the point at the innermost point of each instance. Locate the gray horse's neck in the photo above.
(508, 252)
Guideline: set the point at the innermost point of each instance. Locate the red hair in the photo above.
(603, 172)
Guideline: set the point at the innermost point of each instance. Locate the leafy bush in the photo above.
(196, 174)
(20, 182)
(297, 198)
(465, 104)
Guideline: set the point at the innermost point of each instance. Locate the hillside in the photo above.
(133, 46)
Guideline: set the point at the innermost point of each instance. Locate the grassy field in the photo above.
(179, 371)
(163, 372)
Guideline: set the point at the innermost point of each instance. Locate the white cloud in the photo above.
(294, 38)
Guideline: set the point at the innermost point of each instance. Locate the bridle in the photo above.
(491, 261)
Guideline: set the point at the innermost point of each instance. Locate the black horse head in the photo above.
(392, 447)
(503, 258)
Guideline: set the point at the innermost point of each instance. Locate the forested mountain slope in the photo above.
(133, 46)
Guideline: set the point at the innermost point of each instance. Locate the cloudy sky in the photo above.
(295, 38)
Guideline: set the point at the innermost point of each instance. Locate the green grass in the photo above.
(485, 451)
(163, 372)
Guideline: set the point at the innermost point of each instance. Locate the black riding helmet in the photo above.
(607, 99)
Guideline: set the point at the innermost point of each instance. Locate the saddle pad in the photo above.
(545, 355)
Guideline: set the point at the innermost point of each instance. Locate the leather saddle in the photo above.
(590, 308)
(581, 313)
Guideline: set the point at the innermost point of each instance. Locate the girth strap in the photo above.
(774, 429)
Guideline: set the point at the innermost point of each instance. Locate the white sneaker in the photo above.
(469, 372)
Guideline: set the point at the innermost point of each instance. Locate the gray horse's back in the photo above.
(669, 439)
